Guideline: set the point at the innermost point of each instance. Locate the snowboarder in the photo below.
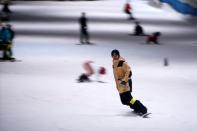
(122, 75)
(127, 10)
(84, 35)
(154, 38)
(5, 12)
(90, 70)
(138, 29)
(6, 8)
(84, 77)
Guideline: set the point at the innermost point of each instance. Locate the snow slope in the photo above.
(41, 92)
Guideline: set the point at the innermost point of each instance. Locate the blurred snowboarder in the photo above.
(138, 29)
(84, 77)
(127, 10)
(154, 38)
(6, 8)
(90, 70)
(122, 75)
(84, 35)
(5, 13)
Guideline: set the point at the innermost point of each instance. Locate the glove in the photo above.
(123, 83)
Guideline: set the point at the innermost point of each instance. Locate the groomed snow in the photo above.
(41, 93)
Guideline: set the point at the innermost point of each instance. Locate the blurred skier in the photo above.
(84, 35)
(122, 75)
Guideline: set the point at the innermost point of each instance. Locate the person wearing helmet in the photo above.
(122, 75)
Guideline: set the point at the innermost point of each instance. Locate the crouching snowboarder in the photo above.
(90, 71)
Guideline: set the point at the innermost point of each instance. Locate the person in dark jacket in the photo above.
(84, 35)
(6, 8)
(138, 29)
(122, 75)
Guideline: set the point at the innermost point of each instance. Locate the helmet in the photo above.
(102, 70)
(115, 52)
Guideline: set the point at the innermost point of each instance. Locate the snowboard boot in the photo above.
(139, 108)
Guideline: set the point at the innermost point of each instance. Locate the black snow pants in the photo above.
(127, 99)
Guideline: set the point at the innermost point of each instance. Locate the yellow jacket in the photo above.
(122, 72)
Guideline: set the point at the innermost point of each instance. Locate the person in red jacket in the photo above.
(127, 10)
(154, 38)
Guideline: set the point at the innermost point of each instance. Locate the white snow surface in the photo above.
(40, 93)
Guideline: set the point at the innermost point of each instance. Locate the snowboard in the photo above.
(138, 35)
(9, 60)
(90, 43)
(147, 115)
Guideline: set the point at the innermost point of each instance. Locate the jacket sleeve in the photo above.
(115, 78)
(127, 70)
